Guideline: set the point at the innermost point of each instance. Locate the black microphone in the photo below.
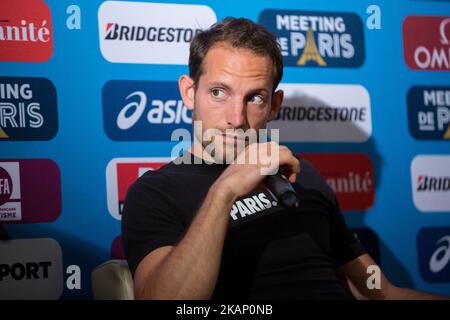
(281, 188)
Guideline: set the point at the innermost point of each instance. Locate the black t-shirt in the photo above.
(269, 252)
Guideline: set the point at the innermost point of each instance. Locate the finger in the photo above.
(292, 169)
(287, 159)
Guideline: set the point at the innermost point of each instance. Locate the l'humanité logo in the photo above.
(317, 39)
(26, 33)
(350, 175)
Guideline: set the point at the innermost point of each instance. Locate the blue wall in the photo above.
(82, 150)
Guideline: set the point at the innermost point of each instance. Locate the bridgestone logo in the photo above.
(428, 183)
(323, 113)
(115, 31)
(326, 114)
(149, 32)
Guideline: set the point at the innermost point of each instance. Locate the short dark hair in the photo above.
(239, 33)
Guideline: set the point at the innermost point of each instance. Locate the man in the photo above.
(201, 231)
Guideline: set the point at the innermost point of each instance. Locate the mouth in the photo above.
(228, 138)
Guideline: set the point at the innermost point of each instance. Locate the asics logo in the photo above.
(161, 112)
(441, 256)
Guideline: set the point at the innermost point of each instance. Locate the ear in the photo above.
(277, 100)
(187, 91)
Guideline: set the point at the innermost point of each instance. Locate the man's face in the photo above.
(235, 91)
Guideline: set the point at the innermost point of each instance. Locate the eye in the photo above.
(256, 99)
(217, 93)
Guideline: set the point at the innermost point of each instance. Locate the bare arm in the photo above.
(354, 274)
(190, 269)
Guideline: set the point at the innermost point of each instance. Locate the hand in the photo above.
(253, 164)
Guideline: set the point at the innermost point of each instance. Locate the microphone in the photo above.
(281, 188)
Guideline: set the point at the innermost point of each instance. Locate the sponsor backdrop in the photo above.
(89, 99)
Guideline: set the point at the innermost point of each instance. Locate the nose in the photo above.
(237, 115)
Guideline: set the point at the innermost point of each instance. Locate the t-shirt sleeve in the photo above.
(345, 247)
(150, 219)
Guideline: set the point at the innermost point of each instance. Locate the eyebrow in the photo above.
(219, 84)
(227, 87)
(255, 91)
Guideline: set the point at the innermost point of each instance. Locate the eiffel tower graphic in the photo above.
(310, 52)
(447, 133)
(3, 133)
